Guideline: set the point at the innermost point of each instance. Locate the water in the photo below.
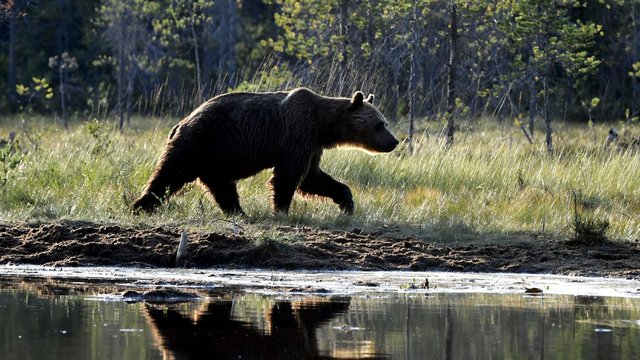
(45, 322)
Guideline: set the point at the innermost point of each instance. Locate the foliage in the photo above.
(35, 95)
(636, 70)
(164, 57)
(100, 135)
(270, 78)
(309, 29)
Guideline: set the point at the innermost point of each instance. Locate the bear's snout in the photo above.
(386, 144)
(391, 145)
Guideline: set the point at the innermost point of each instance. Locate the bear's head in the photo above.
(367, 127)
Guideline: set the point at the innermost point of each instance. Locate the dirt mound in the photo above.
(87, 244)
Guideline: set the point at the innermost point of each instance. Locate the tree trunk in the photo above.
(122, 66)
(65, 123)
(635, 91)
(533, 103)
(412, 94)
(426, 87)
(131, 76)
(120, 83)
(547, 117)
(196, 53)
(451, 78)
(11, 80)
(514, 112)
(635, 95)
(62, 27)
(413, 80)
(231, 57)
(209, 55)
(344, 18)
(395, 76)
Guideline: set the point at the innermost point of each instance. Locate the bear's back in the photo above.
(241, 133)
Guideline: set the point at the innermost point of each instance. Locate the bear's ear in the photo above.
(370, 99)
(357, 99)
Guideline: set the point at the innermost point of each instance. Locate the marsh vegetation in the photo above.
(492, 182)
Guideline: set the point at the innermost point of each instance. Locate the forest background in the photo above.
(430, 59)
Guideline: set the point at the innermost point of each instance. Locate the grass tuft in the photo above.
(589, 231)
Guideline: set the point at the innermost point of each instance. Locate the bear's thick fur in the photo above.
(236, 135)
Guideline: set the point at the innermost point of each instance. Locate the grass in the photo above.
(490, 184)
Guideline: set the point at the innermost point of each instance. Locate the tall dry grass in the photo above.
(490, 184)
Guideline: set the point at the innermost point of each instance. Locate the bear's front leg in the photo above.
(320, 183)
(225, 194)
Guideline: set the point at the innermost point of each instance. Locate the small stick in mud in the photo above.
(182, 248)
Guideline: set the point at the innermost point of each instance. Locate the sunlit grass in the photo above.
(491, 182)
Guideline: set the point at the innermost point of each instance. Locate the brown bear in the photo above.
(236, 135)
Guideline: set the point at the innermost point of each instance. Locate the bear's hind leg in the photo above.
(283, 187)
(225, 194)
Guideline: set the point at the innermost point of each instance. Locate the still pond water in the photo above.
(40, 325)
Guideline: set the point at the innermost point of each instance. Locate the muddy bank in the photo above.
(86, 244)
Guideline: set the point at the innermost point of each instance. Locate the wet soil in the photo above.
(88, 244)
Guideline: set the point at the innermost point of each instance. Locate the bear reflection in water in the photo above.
(215, 334)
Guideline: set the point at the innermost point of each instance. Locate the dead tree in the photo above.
(451, 75)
